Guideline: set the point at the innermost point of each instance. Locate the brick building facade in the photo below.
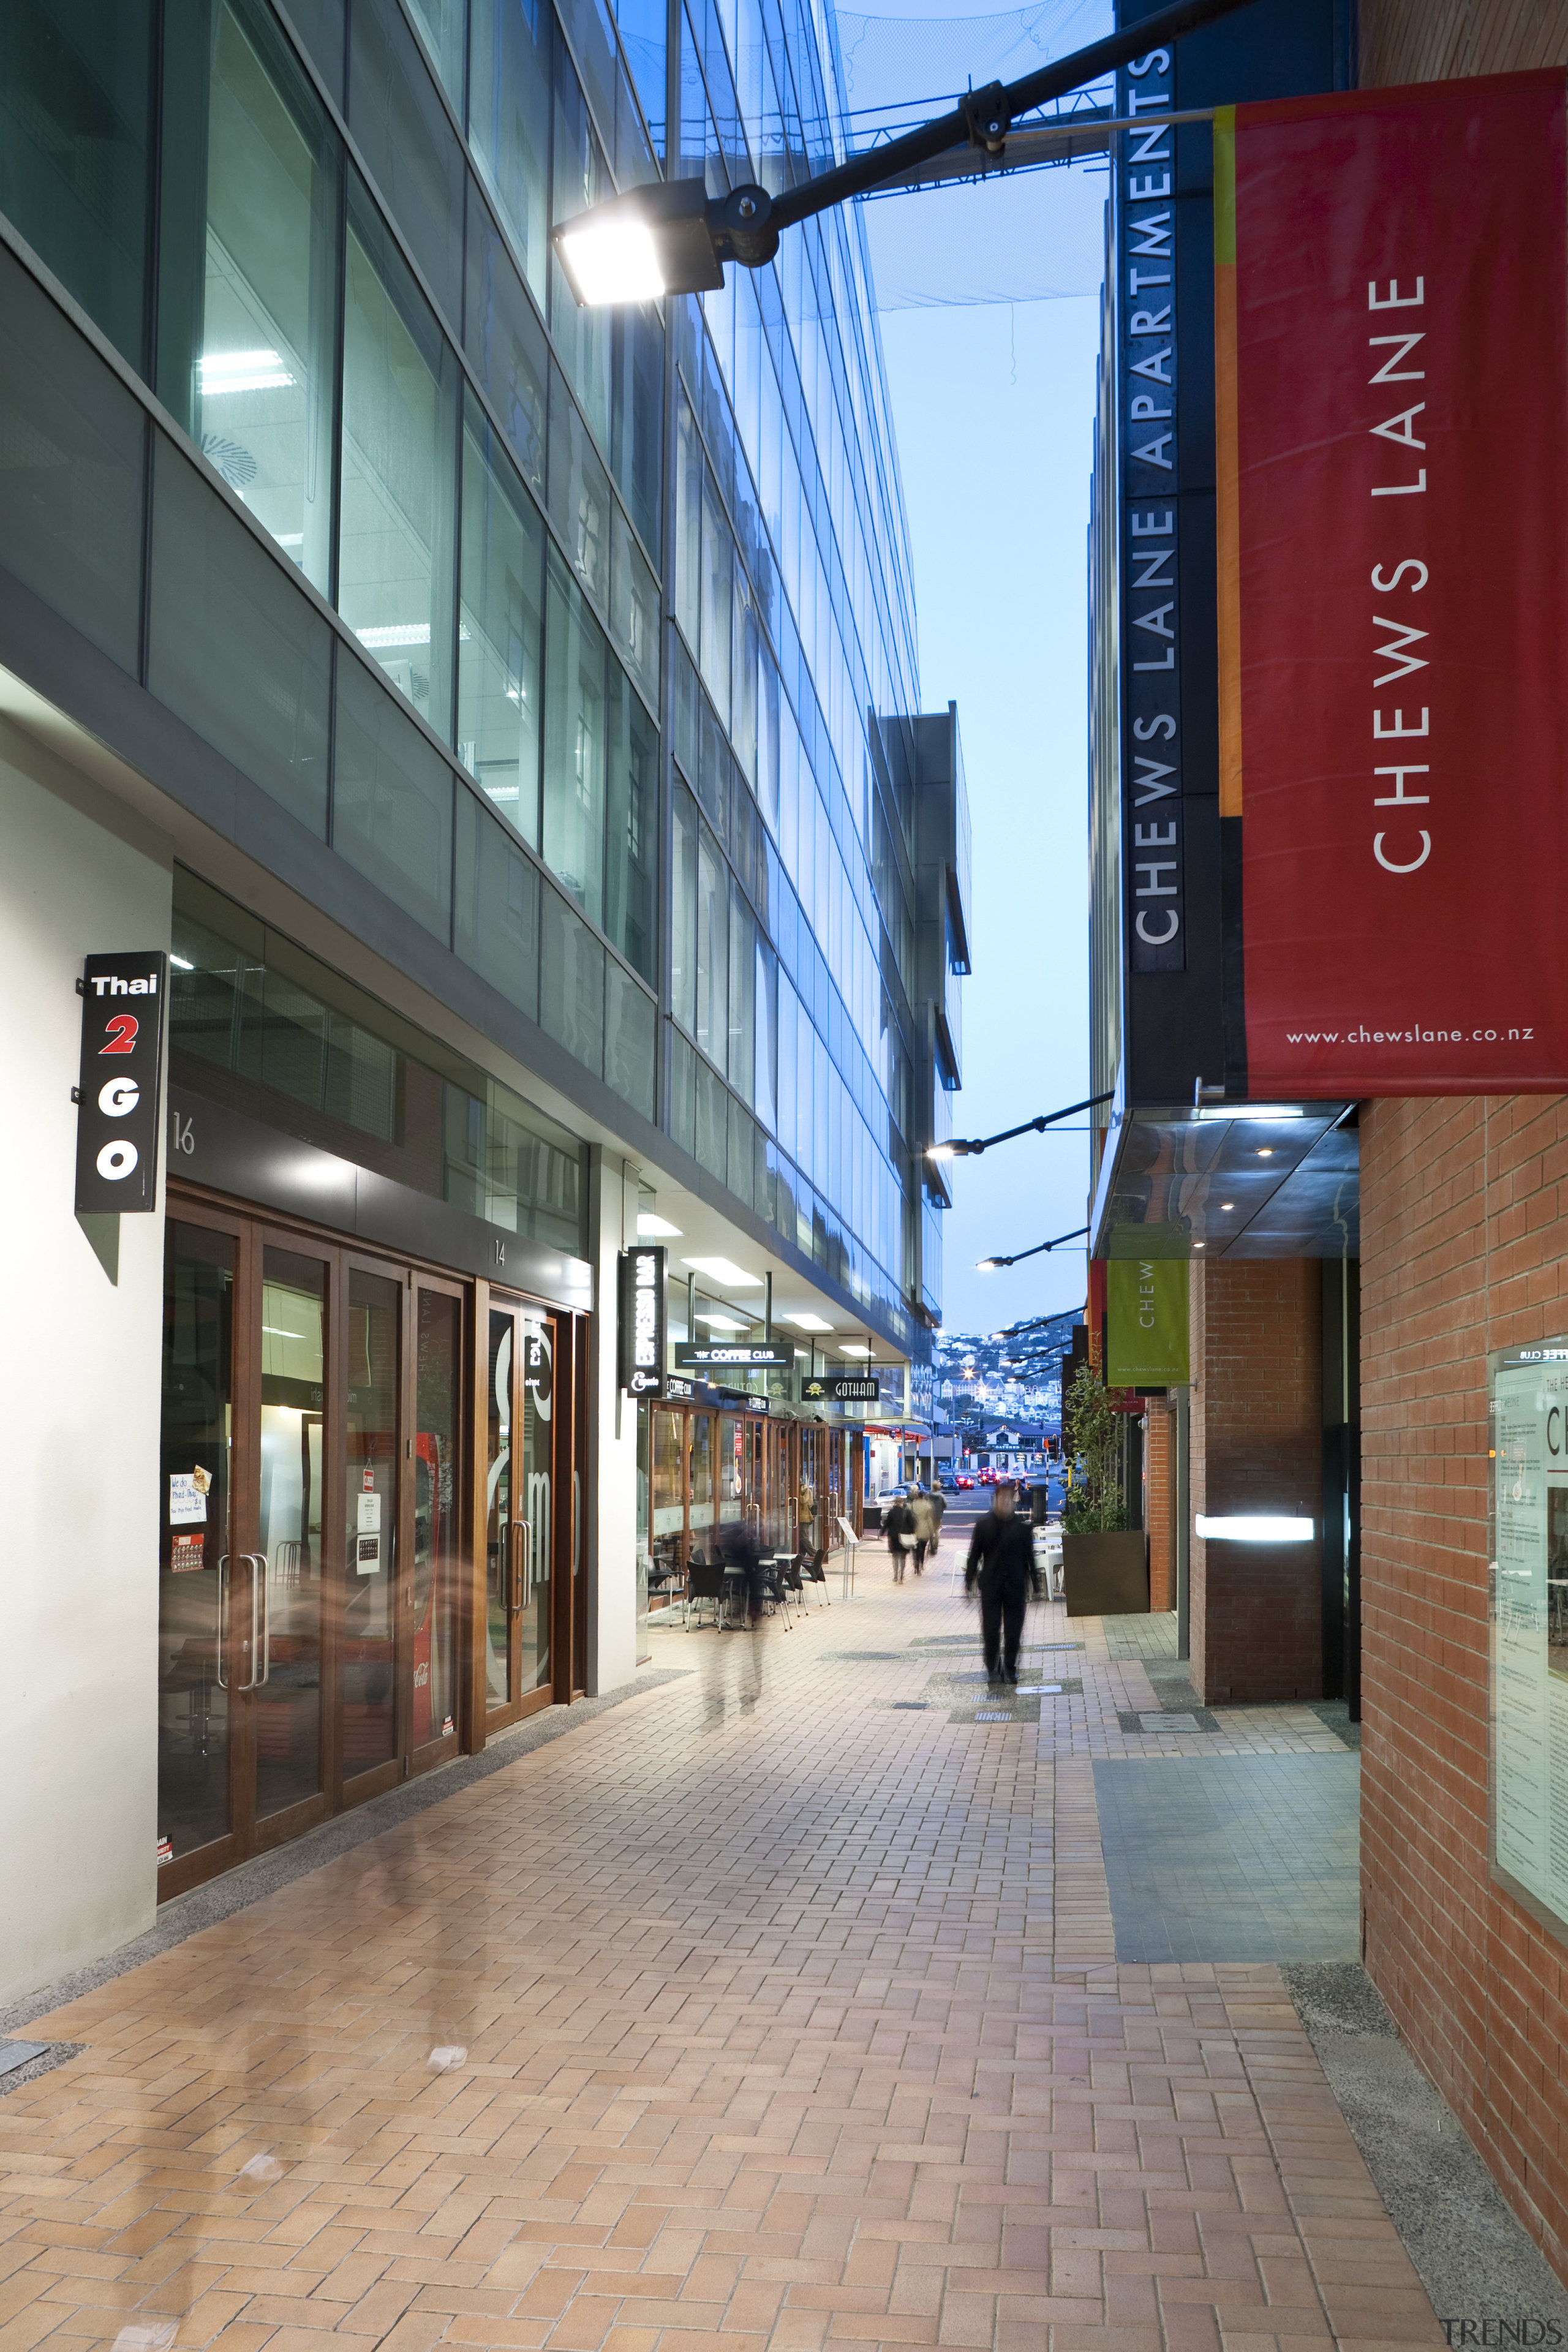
(1464, 1205)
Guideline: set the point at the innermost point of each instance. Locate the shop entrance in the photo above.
(314, 1566)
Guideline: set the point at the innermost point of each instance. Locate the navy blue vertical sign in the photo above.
(1147, 378)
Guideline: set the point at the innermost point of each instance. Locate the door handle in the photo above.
(222, 1617)
(521, 1570)
(260, 1622)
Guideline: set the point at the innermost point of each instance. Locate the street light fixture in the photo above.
(672, 238)
(961, 1146)
(990, 1264)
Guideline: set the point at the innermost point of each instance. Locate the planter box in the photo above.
(1106, 1575)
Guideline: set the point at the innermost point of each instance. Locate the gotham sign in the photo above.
(841, 1388)
(641, 1336)
(121, 1049)
(764, 1357)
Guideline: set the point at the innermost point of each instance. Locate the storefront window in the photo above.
(287, 1677)
(370, 1537)
(194, 1546)
(437, 1494)
(668, 1505)
(703, 1521)
(731, 1468)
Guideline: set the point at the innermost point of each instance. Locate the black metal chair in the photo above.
(704, 1583)
(773, 1585)
(813, 1566)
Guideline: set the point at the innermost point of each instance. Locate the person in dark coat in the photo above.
(898, 1525)
(1002, 1562)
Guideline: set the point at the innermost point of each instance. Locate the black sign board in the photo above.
(841, 1388)
(762, 1358)
(121, 1059)
(640, 1336)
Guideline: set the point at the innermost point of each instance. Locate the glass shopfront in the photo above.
(327, 1625)
(712, 1470)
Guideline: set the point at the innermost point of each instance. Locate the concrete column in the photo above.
(612, 1437)
(80, 1397)
(1256, 1447)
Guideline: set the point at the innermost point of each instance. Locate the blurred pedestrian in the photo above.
(738, 1549)
(899, 1525)
(925, 1527)
(1002, 1562)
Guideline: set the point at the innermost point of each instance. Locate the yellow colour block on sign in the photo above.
(1146, 1323)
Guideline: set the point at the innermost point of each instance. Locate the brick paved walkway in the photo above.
(787, 2014)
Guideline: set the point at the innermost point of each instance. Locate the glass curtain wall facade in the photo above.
(586, 638)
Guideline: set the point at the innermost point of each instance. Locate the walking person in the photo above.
(925, 1527)
(1002, 1562)
(899, 1525)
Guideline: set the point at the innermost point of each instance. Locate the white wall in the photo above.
(78, 1403)
(612, 1437)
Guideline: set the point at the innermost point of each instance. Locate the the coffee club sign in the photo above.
(765, 1356)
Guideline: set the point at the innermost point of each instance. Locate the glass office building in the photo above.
(504, 714)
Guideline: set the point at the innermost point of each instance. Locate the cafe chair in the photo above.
(813, 1566)
(704, 1584)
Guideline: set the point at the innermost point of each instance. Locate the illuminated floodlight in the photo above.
(611, 261)
(666, 239)
(1254, 1529)
(986, 1264)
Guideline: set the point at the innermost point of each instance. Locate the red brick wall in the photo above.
(1160, 1504)
(1256, 1445)
(1463, 1249)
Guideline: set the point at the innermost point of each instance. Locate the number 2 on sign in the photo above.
(122, 1031)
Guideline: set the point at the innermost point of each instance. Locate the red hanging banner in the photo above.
(1391, 282)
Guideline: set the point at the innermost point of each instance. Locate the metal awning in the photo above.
(1278, 1179)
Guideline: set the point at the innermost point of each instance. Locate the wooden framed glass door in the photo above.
(312, 1550)
(520, 1510)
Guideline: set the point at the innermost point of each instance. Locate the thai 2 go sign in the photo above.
(116, 1092)
(1389, 301)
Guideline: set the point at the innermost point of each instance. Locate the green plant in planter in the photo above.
(1092, 1441)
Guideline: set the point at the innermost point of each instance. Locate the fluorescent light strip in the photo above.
(394, 633)
(1245, 1529)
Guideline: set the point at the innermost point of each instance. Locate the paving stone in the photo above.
(788, 2025)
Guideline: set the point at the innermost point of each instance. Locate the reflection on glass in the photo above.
(499, 641)
(534, 1544)
(574, 746)
(700, 1440)
(396, 532)
(436, 1488)
(370, 1534)
(730, 1468)
(246, 333)
(498, 1528)
(194, 1538)
(668, 1520)
(630, 876)
(288, 1672)
(509, 120)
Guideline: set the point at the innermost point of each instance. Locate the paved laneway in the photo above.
(787, 2007)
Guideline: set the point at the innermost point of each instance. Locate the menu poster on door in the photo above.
(1529, 1630)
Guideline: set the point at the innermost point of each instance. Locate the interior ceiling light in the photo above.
(1266, 1151)
(242, 372)
(655, 1229)
(852, 1348)
(722, 1323)
(1227, 1204)
(391, 634)
(720, 1269)
(807, 1322)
